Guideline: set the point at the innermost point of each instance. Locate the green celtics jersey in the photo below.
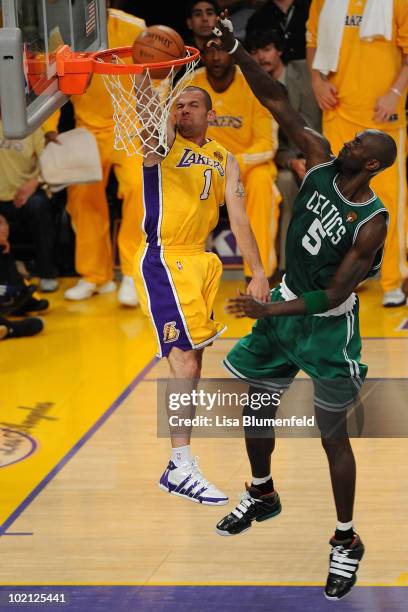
(323, 228)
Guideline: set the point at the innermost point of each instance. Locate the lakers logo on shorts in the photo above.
(170, 332)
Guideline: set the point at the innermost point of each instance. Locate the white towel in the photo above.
(74, 160)
(329, 35)
(376, 22)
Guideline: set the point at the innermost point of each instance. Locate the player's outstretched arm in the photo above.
(352, 270)
(258, 288)
(272, 95)
(147, 109)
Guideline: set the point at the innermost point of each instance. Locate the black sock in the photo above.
(265, 487)
(344, 535)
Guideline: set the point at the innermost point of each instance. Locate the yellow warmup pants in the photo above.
(88, 207)
(390, 186)
(262, 206)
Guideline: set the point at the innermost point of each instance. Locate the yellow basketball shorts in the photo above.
(177, 288)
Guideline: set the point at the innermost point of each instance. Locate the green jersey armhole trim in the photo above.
(349, 202)
(376, 212)
(329, 163)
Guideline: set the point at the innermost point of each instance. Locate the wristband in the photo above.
(316, 302)
(396, 91)
(235, 47)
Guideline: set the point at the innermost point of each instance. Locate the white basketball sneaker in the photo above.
(127, 295)
(84, 290)
(187, 481)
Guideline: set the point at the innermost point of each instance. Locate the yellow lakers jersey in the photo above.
(183, 193)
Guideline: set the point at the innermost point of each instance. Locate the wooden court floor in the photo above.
(80, 460)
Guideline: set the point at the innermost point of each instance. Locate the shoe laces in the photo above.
(242, 508)
(341, 554)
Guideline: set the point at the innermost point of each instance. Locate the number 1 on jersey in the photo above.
(207, 184)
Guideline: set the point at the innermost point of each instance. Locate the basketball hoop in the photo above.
(130, 86)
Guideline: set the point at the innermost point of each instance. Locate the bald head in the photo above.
(380, 146)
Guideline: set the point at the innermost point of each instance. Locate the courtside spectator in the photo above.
(201, 19)
(13, 298)
(289, 17)
(25, 204)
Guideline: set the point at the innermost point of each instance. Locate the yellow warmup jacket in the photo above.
(366, 69)
(248, 131)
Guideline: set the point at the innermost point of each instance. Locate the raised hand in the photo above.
(224, 33)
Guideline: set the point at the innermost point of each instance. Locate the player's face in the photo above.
(203, 19)
(268, 57)
(353, 155)
(191, 114)
(218, 62)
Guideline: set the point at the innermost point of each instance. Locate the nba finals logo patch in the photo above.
(170, 332)
(351, 216)
(218, 156)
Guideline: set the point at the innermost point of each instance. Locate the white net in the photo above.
(141, 107)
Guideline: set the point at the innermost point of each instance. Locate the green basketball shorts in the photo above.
(327, 349)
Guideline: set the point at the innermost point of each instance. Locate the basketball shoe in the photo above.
(252, 507)
(15, 297)
(187, 481)
(344, 560)
(20, 329)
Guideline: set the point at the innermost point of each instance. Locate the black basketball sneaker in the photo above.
(252, 507)
(344, 561)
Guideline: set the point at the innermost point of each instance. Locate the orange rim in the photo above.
(75, 69)
(70, 62)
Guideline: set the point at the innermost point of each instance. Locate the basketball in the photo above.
(158, 44)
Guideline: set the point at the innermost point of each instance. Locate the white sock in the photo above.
(344, 526)
(181, 454)
(258, 481)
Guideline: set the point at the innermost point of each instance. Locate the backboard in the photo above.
(32, 32)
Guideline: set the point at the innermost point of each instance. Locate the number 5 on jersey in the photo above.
(312, 241)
